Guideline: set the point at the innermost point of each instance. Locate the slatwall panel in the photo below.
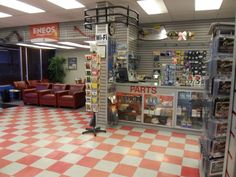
(102, 113)
(121, 33)
(200, 42)
(132, 39)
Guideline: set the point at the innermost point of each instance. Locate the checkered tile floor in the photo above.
(47, 142)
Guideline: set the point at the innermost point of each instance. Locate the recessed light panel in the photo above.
(3, 15)
(201, 5)
(152, 7)
(33, 46)
(54, 45)
(67, 4)
(75, 44)
(21, 6)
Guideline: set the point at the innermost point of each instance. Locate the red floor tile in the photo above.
(151, 131)
(4, 163)
(176, 145)
(54, 145)
(132, 133)
(193, 155)
(4, 175)
(6, 143)
(8, 136)
(125, 170)
(179, 135)
(126, 128)
(4, 152)
(173, 159)
(163, 137)
(97, 173)
(161, 174)
(192, 142)
(150, 164)
(56, 155)
(29, 149)
(137, 153)
(28, 171)
(115, 157)
(60, 167)
(29, 159)
(29, 141)
(190, 172)
(158, 149)
(117, 136)
(88, 162)
(105, 147)
(125, 143)
(82, 151)
(145, 140)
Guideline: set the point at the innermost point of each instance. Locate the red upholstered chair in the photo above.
(74, 98)
(31, 96)
(32, 83)
(49, 97)
(20, 85)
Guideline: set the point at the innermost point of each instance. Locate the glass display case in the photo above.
(158, 109)
(129, 106)
(190, 110)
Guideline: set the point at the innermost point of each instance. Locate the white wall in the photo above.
(71, 75)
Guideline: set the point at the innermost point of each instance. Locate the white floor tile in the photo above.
(42, 152)
(148, 135)
(131, 160)
(41, 143)
(90, 144)
(170, 168)
(43, 163)
(175, 152)
(14, 156)
(97, 154)
(141, 146)
(105, 165)
(12, 168)
(120, 150)
(16, 146)
(64, 140)
(111, 141)
(71, 158)
(192, 148)
(165, 133)
(154, 156)
(177, 140)
(162, 143)
(142, 172)
(131, 138)
(76, 171)
(48, 173)
(68, 148)
(193, 163)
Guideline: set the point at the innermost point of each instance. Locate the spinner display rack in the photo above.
(216, 112)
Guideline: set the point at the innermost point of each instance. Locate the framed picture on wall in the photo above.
(72, 63)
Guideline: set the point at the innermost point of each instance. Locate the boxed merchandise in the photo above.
(221, 86)
(221, 108)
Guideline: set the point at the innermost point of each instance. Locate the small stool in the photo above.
(16, 94)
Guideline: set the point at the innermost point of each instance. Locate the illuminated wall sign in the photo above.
(143, 89)
(101, 39)
(44, 32)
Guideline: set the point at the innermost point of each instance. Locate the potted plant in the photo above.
(56, 69)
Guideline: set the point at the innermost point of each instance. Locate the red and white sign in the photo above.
(44, 32)
(143, 89)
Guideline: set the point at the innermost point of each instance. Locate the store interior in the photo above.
(117, 88)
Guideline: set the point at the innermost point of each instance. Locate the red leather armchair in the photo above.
(31, 96)
(49, 97)
(32, 83)
(20, 85)
(74, 98)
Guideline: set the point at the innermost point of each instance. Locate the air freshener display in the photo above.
(180, 67)
(92, 65)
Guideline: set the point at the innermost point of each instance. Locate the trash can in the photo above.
(5, 94)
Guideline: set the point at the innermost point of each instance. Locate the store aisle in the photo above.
(47, 142)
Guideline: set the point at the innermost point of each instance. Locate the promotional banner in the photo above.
(44, 32)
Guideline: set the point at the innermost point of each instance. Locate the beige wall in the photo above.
(71, 75)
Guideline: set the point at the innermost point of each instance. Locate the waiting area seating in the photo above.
(58, 95)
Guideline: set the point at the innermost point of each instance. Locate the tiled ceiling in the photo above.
(178, 10)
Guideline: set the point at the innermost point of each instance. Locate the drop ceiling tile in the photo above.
(179, 5)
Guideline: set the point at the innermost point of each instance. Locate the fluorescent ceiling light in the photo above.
(67, 4)
(207, 4)
(33, 46)
(21, 6)
(75, 44)
(54, 45)
(91, 42)
(3, 15)
(152, 7)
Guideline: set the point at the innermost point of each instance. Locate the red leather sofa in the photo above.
(74, 97)
(31, 96)
(49, 97)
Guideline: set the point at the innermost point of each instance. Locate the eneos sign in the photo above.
(44, 32)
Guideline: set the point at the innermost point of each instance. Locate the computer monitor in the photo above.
(123, 75)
